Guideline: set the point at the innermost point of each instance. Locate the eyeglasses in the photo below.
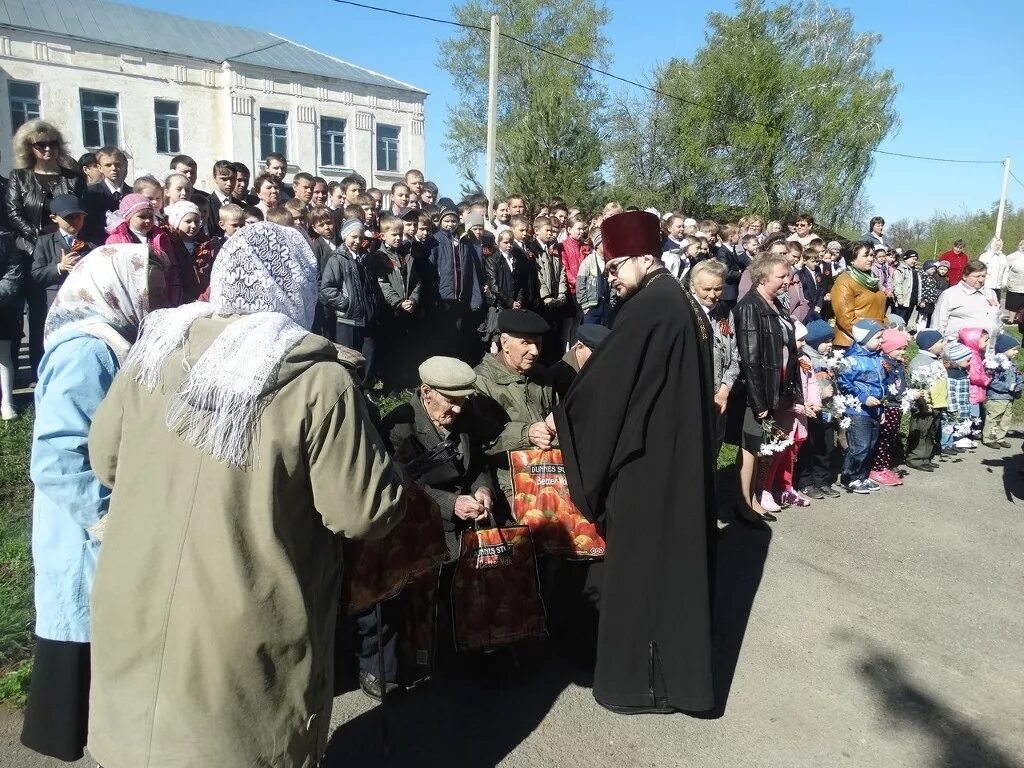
(613, 269)
(42, 146)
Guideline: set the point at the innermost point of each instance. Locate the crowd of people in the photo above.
(257, 327)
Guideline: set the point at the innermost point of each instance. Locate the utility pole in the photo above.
(492, 113)
(1002, 198)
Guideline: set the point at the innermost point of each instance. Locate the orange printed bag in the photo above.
(379, 570)
(542, 502)
(495, 590)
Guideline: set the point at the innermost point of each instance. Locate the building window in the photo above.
(24, 102)
(168, 130)
(273, 132)
(332, 142)
(99, 119)
(387, 147)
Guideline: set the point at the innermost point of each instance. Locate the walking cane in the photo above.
(384, 734)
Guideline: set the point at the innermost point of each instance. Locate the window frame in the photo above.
(171, 149)
(328, 135)
(274, 138)
(388, 144)
(101, 113)
(24, 102)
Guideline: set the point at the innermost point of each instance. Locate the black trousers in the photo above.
(57, 713)
(375, 648)
(815, 463)
(35, 304)
(921, 438)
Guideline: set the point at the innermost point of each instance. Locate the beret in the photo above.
(448, 375)
(592, 334)
(522, 322)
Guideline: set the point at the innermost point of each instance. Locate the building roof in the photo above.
(142, 28)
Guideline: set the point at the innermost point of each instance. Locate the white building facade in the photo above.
(328, 117)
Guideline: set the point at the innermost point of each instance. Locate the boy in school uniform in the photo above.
(57, 253)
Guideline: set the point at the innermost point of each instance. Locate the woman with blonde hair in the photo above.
(43, 169)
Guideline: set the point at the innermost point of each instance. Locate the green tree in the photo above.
(776, 113)
(549, 111)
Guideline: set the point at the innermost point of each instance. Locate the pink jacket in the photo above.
(971, 338)
(160, 244)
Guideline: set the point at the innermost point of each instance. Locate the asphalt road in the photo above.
(875, 631)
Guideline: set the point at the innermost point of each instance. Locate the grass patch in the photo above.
(16, 607)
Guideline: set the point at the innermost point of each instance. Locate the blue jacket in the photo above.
(864, 377)
(1006, 384)
(74, 376)
(458, 268)
(895, 378)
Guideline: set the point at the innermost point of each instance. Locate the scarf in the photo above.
(267, 274)
(863, 278)
(106, 296)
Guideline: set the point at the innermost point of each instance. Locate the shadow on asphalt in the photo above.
(1013, 473)
(958, 744)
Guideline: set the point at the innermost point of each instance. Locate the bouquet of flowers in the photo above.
(836, 361)
(840, 405)
(997, 361)
(905, 399)
(773, 439)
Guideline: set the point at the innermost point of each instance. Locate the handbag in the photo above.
(495, 595)
(541, 501)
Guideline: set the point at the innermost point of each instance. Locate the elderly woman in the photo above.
(857, 295)
(1015, 280)
(968, 304)
(268, 192)
(766, 343)
(240, 452)
(43, 169)
(94, 320)
(707, 281)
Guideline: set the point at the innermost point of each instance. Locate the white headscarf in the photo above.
(268, 274)
(175, 212)
(106, 295)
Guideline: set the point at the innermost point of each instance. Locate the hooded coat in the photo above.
(215, 601)
(979, 378)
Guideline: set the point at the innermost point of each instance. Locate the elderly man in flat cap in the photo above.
(516, 400)
(562, 374)
(637, 432)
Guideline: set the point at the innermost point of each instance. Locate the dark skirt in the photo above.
(1014, 301)
(57, 712)
(752, 431)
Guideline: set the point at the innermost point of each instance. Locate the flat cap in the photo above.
(449, 376)
(522, 322)
(591, 335)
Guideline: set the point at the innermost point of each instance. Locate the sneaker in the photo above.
(8, 414)
(857, 486)
(871, 485)
(885, 477)
(812, 492)
(830, 491)
(768, 502)
(965, 443)
(795, 499)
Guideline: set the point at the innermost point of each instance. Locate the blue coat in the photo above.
(74, 376)
(864, 377)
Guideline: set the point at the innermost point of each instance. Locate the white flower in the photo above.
(845, 422)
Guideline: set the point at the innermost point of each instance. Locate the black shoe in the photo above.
(749, 518)
(830, 491)
(922, 467)
(813, 492)
(931, 464)
(370, 685)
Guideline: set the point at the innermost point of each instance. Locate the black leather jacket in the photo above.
(27, 205)
(760, 343)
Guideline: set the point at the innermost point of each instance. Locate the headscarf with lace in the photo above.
(267, 274)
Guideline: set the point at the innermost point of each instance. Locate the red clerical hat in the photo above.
(633, 233)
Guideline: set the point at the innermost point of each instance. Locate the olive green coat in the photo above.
(217, 589)
(513, 402)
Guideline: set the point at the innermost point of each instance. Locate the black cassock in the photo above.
(636, 435)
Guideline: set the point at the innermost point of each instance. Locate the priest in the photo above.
(636, 432)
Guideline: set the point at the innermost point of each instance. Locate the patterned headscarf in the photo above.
(106, 295)
(267, 273)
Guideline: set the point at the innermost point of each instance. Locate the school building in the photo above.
(157, 85)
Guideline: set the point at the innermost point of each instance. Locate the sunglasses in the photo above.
(613, 269)
(42, 146)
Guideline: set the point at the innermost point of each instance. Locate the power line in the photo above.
(1014, 177)
(635, 84)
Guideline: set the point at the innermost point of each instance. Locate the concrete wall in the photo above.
(219, 106)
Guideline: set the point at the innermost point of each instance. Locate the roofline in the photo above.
(401, 85)
(177, 54)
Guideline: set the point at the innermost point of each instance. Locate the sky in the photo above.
(957, 63)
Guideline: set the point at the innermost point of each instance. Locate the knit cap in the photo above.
(957, 352)
(474, 220)
(818, 332)
(133, 204)
(927, 338)
(1005, 342)
(349, 226)
(928, 265)
(895, 321)
(178, 211)
(865, 330)
(894, 339)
